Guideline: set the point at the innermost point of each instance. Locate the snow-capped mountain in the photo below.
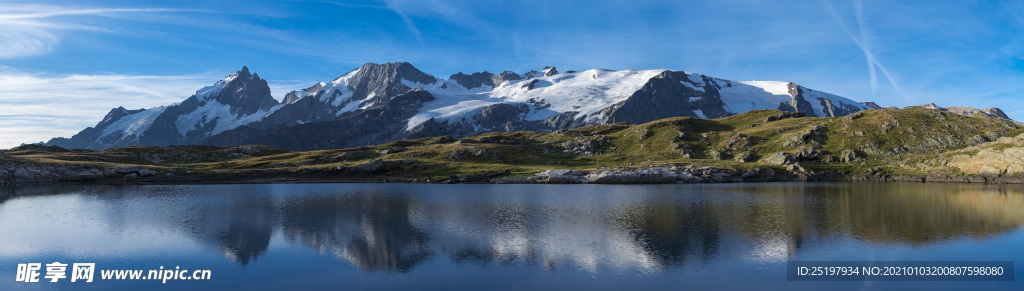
(238, 99)
(378, 103)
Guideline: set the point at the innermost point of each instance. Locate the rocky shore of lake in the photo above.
(19, 173)
(391, 171)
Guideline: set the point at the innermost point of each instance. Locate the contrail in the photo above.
(863, 43)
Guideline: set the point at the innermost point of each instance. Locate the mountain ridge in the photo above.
(379, 103)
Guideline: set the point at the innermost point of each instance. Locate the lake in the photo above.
(415, 236)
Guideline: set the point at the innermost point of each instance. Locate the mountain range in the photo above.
(380, 103)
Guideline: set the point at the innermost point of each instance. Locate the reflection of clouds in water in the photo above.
(394, 228)
(552, 237)
(774, 249)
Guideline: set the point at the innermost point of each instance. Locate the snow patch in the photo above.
(133, 125)
(215, 112)
(746, 96)
(700, 113)
(208, 91)
(694, 79)
(695, 99)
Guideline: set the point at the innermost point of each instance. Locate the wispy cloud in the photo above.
(25, 41)
(24, 30)
(94, 11)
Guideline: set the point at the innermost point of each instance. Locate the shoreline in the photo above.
(29, 173)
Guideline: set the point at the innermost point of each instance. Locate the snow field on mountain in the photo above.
(586, 93)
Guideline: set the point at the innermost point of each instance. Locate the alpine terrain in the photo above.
(380, 103)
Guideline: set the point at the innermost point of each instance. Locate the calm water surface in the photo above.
(408, 236)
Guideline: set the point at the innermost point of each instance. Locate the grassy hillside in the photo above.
(897, 141)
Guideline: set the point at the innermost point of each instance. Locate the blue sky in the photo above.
(64, 64)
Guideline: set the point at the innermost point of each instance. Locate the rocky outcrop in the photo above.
(481, 79)
(967, 111)
(20, 173)
(1005, 156)
(777, 159)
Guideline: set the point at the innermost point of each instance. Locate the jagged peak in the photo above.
(396, 70)
(242, 74)
(114, 114)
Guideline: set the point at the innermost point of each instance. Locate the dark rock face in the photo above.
(665, 96)
(245, 94)
(384, 81)
(370, 85)
(476, 80)
(798, 104)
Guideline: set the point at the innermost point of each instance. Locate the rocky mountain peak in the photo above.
(244, 92)
(385, 81)
(393, 72)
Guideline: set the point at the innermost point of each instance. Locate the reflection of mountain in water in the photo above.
(646, 229)
(370, 230)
